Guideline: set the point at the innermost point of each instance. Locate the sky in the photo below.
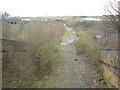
(36, 8)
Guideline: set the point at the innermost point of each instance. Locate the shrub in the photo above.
(87, 44)
(46, 54)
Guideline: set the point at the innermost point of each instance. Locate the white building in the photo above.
(90, 19)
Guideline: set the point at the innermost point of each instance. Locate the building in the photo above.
(25, 20)
(18, 20)
(13, 21)
(91, 19)
(62, 20)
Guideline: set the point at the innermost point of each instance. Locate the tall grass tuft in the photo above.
(46, 55)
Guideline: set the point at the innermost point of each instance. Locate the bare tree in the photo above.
(111, 20)
(5, 15)
(6, 30)
(112, 16)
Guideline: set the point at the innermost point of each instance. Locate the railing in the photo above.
(11, 46)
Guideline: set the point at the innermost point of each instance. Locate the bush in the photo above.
(87, 44)
(46, 55)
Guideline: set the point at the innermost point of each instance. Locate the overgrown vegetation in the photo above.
(86, 31)
(40, 54)
(87, 45)
(46, 54)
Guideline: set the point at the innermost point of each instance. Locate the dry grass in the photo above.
(87, 44)
(41, 51)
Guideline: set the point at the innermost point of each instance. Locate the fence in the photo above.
(16, 62)
(110, 65)
(10, 46)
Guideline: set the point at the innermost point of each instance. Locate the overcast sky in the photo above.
(53, 7)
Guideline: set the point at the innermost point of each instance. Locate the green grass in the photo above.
(46, 54)
(15, 82)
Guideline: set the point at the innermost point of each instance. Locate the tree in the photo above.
(112, 16)
(5, 15)
(6, 29)
(111, 19)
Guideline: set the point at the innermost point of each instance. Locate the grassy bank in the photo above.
(87, 45)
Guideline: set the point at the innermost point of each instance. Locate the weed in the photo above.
(15, 82)
(100, 77)
(46, 54)
(88, 45)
